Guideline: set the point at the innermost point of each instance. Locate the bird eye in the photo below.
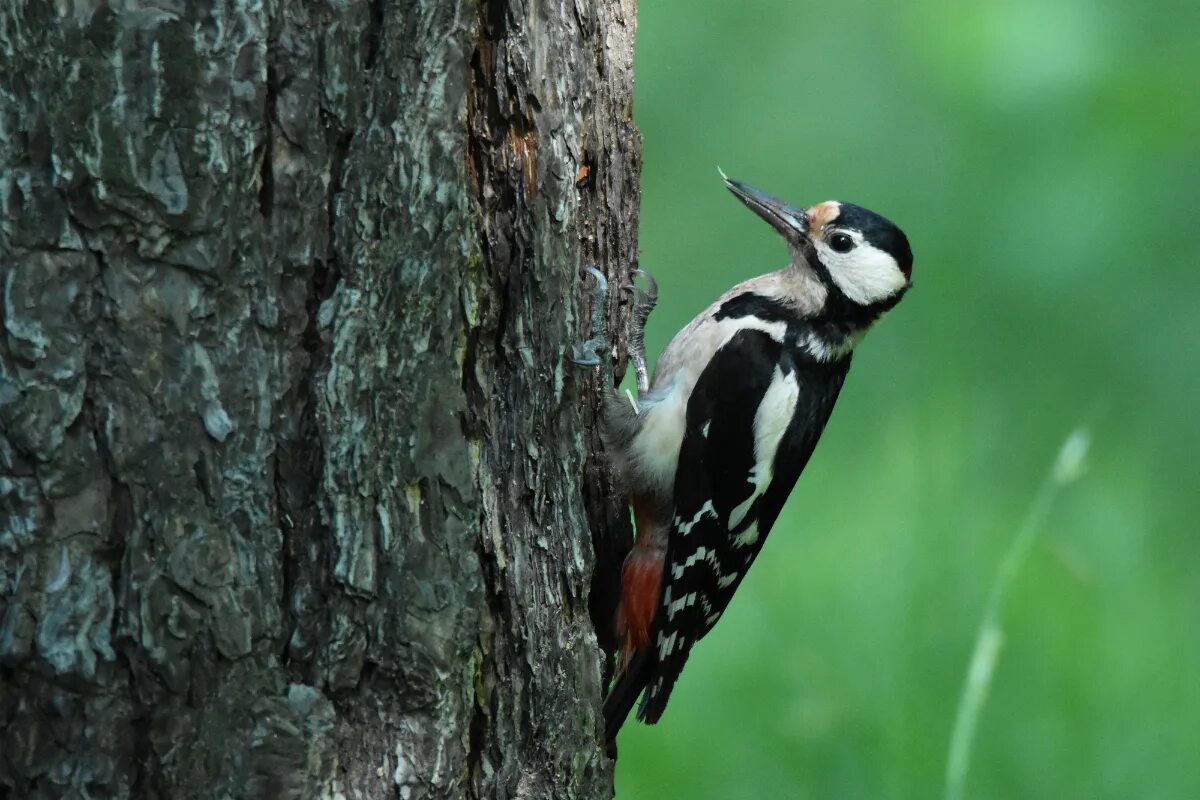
(841, 242)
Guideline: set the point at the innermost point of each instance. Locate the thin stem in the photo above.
(990, 638)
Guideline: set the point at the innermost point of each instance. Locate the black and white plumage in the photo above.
(738, 401)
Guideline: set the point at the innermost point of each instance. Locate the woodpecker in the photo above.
(714, 443)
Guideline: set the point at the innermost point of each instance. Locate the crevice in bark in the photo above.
(483, 712)
(301, 523)
(495, 17)
(490, 129)
(289, 566)
(307, 571)
(493, 594)
(298, 474)
(474, 426)
(200, 469)
(331, 271)
(297, 478)
(266, 168)
(145, 761)
(120, 511)
(374, 34)
(476, 737)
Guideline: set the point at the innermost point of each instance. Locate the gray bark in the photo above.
(292, 468)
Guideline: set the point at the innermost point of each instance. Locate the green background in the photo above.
(1044, 160)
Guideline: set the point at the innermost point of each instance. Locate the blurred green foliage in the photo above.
(1044, 160)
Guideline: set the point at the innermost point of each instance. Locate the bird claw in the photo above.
(601, 281)
(644, 299)
(651, 290)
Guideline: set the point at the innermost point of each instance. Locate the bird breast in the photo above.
(663, 410)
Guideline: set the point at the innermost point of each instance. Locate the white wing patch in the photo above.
(771, 422)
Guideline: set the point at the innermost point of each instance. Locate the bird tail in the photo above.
(624, 693)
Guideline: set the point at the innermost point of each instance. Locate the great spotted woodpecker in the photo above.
(715, 442)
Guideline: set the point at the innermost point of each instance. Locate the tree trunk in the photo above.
(292, 467)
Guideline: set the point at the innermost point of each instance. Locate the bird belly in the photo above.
(656, 445)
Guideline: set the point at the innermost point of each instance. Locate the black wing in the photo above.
(721, 514)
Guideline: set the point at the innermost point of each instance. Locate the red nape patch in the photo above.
(641, 586)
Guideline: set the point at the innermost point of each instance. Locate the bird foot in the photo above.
(644, 301)
(589, 353)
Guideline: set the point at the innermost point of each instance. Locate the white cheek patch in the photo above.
(866, 274)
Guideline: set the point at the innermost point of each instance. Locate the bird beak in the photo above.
(790, 221)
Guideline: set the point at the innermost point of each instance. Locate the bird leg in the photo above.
(644, 301)
(588, 353)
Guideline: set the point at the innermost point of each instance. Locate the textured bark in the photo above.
(292, 468)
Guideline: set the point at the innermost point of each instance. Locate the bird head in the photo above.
(856, 253)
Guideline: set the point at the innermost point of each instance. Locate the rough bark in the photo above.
(292, 468)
